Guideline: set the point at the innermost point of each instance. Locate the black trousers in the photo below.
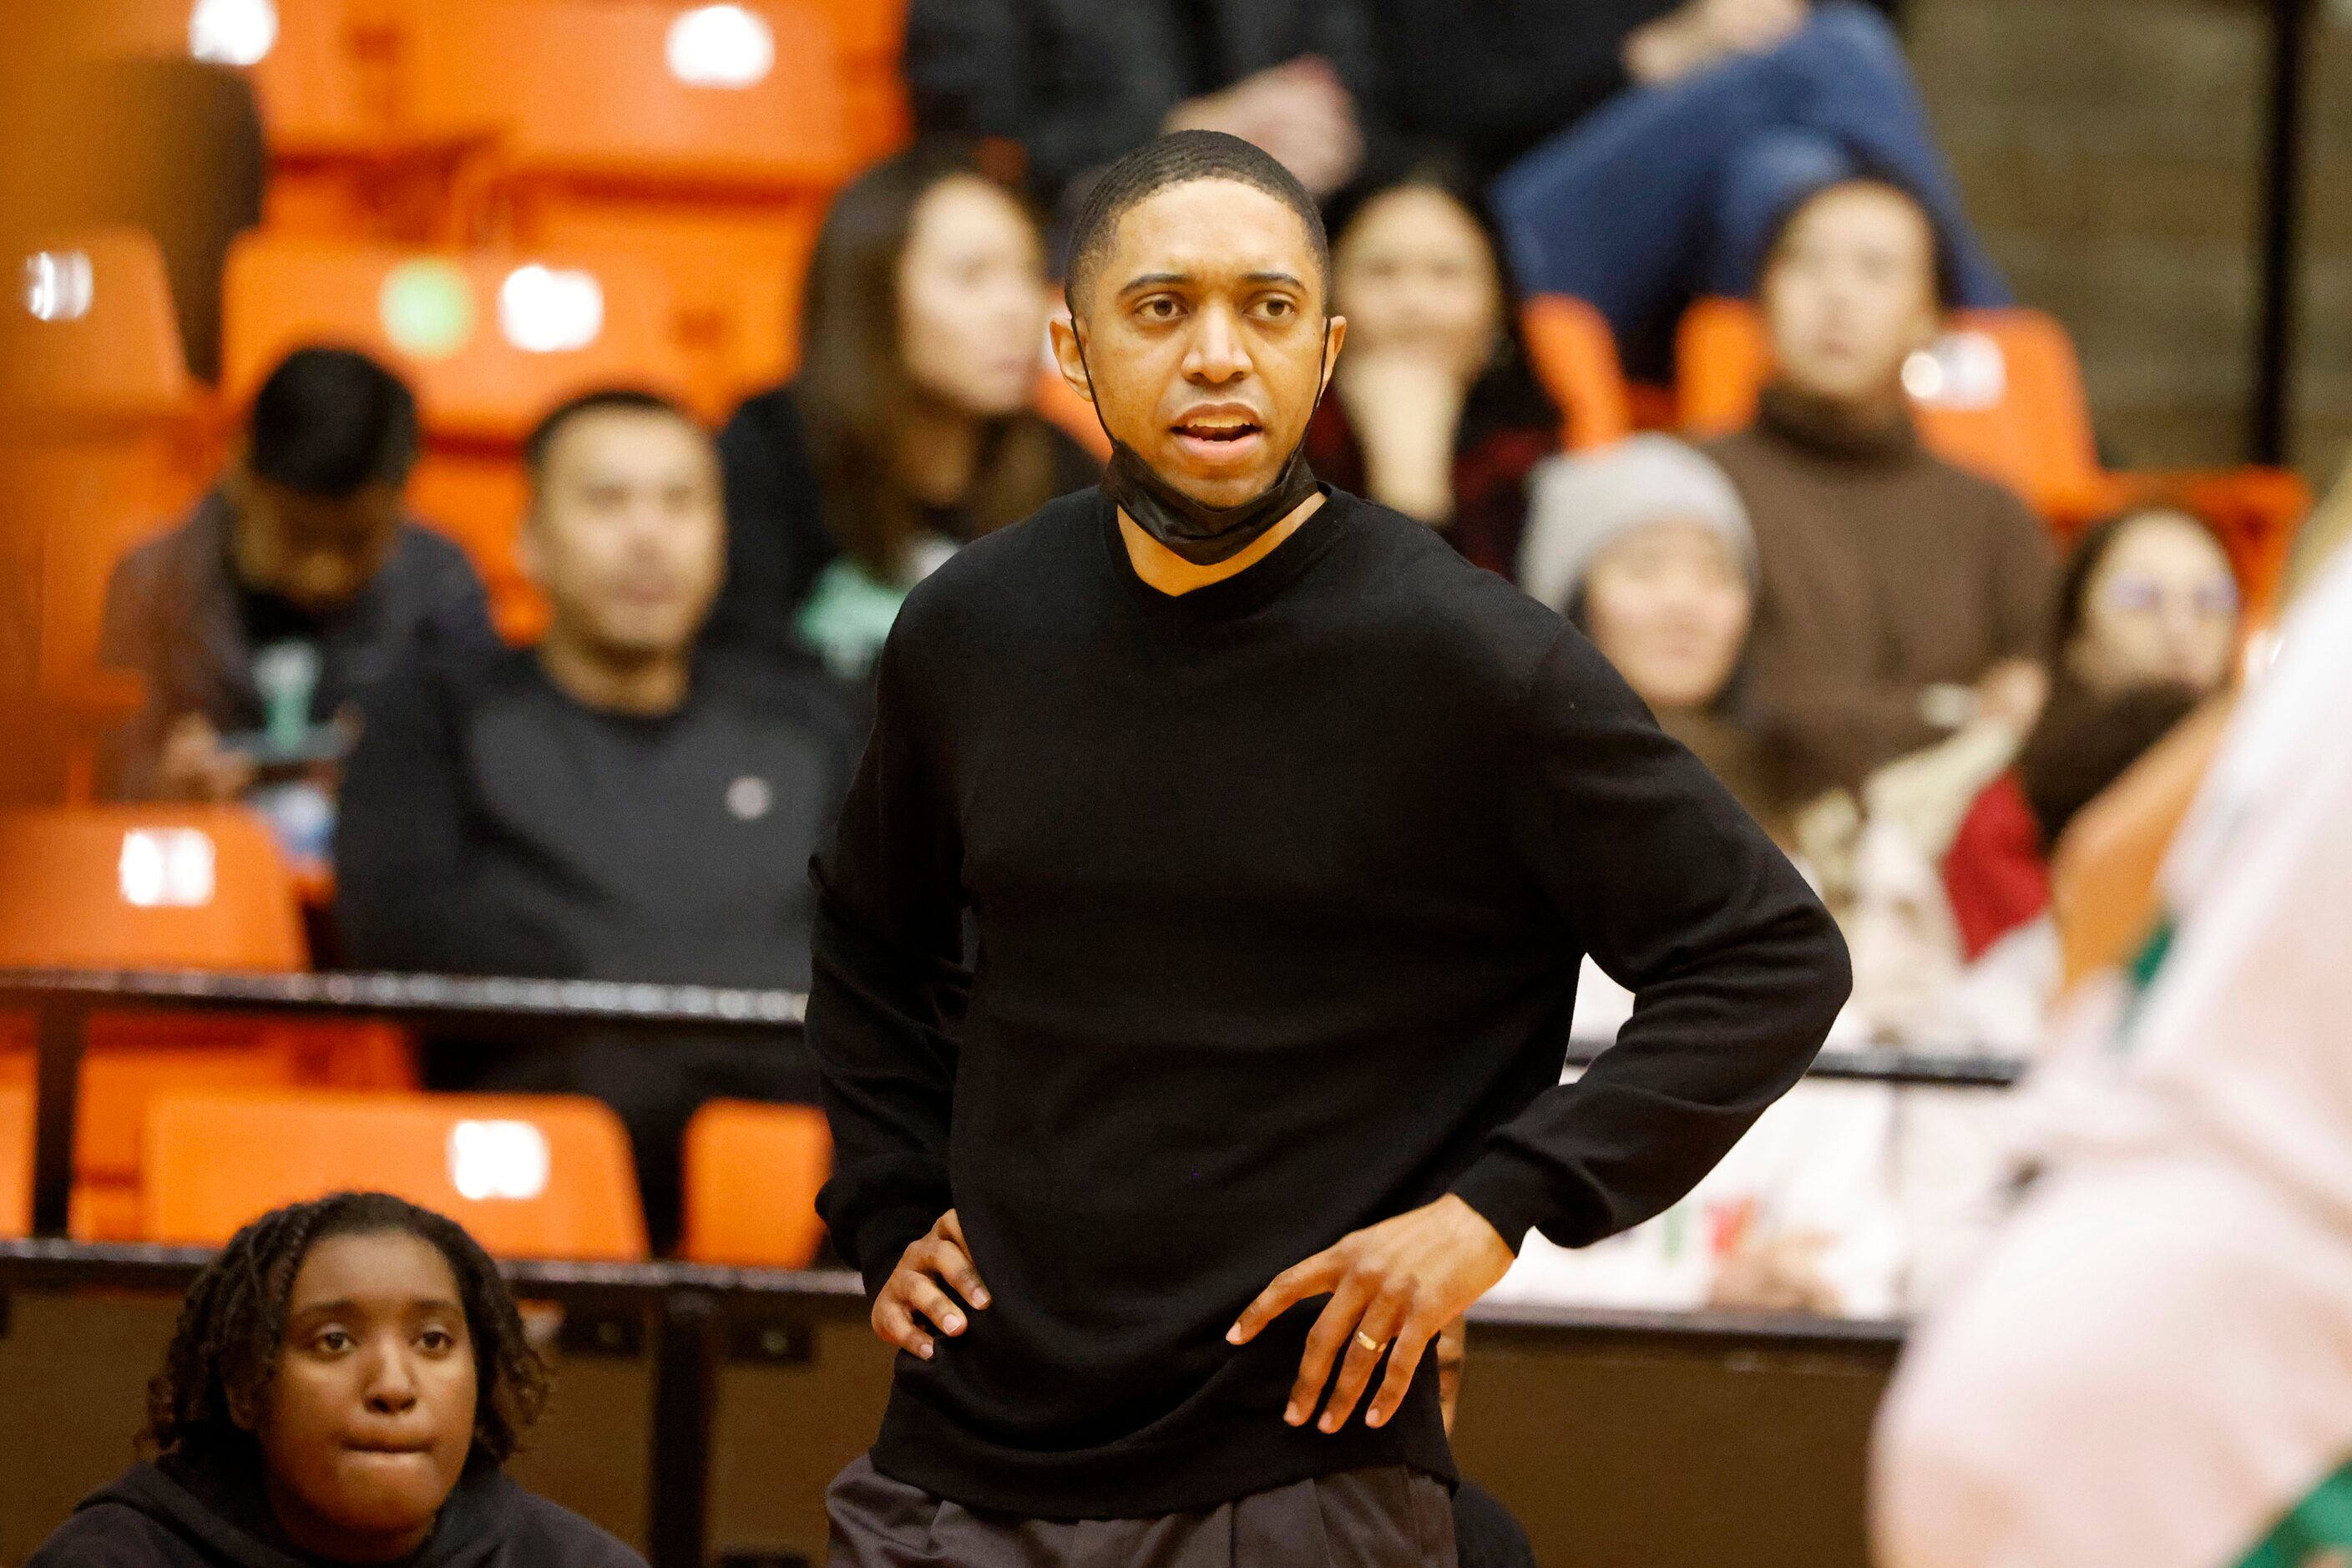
(1385, 1518)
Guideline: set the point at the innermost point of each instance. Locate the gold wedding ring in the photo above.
(1369, 1342)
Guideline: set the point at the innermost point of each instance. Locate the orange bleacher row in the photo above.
(191, 1124)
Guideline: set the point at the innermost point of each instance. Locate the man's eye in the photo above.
(1278, 308)
(1159, 309)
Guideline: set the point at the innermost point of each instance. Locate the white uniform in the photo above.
(2152, 1366)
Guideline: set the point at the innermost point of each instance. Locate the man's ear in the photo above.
(1335, 332)
(1067, 357)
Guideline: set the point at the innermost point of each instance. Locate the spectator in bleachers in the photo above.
(1646, 547)
(618, 803)
(1075, 83)
(1433, 410)
(345, 1384)
(1684, 130)
(1487, 1534)
(1901, 597)
(908, 429)
(262, 621)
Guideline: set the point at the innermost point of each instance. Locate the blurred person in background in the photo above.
(2151, 1367)
(907, 430)
(1645, 547)
(1653, 144)
(1487, 1534)
(1077, 83)
(345, 1384)
(1433, 410)
(262, 622)
(1902, 598)
(615, 804)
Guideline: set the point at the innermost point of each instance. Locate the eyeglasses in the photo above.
(2139, 594)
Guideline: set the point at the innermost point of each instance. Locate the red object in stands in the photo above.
(1994, 874)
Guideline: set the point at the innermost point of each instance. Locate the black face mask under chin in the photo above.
(1202, 533)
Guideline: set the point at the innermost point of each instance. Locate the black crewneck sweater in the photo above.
(1280, 889)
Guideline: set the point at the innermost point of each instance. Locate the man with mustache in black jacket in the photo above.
(1283, 831)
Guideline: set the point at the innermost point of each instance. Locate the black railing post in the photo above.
(2270, 430)
(686, 1402)
(64, 1027)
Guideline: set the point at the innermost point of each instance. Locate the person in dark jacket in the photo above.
(618, 803)
(1077, 83)
(1642, 150)
(908, 429)
(260, 623)
(1282, 831)
(346, 1381)
(1434, 409)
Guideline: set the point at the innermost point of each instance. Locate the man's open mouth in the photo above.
(1204, 430)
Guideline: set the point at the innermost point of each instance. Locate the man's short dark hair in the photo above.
(624, 399)
(1179, 158)
(331, 422)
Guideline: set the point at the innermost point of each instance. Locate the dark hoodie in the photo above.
(174, 1514)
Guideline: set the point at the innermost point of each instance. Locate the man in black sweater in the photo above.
(1282, 831)
(612, 804)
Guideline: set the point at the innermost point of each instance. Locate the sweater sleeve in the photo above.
(1736, 969)
(888, 980)
(406, 894)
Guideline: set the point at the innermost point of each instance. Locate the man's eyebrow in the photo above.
(1154, 281)
(1272, 278)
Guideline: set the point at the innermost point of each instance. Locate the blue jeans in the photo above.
(1669, 191)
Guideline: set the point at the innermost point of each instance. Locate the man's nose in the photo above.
(1218, 353)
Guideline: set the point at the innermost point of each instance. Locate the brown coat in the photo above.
(1885, 571)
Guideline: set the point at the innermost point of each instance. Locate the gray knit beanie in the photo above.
(1578, 506)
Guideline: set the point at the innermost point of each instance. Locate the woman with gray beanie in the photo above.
(1646, 547)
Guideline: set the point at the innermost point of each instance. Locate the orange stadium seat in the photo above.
(15, 1159)
(1574, 355)
(145, 887)
(109, 439)
(167, 887)
(326, 78)
(530, 1175)
(658, 95)
(489, 339)
(2017, 413)
(753, 1170)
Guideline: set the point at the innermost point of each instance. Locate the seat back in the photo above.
(661, 94)
(106, 431)
(1574, 356)
(530, 1175)
(312, 63)
(90, 336)
(16, 1159)
(2001, 395)
(145, 887)
(490, 340)
(753, 1170)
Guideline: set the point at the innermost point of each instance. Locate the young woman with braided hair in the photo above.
(345, 1382)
